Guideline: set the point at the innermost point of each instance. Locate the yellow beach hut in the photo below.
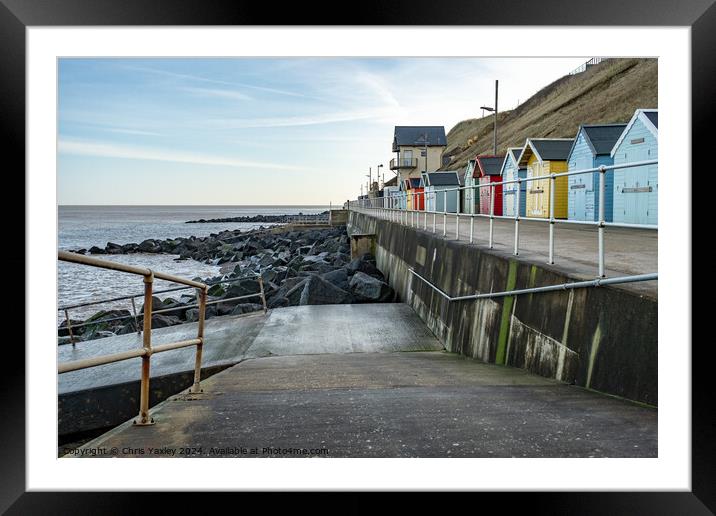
(542, 157)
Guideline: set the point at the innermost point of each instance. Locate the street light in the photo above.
(486, 108)
(377, 174)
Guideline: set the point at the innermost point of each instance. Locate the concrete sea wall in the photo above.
(601, 338)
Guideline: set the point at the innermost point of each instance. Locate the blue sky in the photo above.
(261, 131)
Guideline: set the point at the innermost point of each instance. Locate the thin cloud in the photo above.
(131, 131)
(215, 81)
(112, 150)
(292, 121)
(226, 94)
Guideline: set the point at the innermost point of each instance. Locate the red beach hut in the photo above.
(489, 168)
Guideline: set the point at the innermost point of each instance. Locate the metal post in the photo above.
(435, 211)
(69, 327)
(143, 419)
(457, 214)
(492, 213)
(444, 212)
(602, 172)
(201, 294)
(136, 320)
(552, 183)
(494, 144)
(472, 226)
(263, 294)
(517, 217)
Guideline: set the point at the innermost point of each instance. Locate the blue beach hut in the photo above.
(592, 148)
(435, 183)
(636, 189)
(511, 172)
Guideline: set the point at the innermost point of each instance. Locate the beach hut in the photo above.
(542, 157)
(636, 189)
(435, 183)
(489, 168)
(511, 172)
(415, 198)
(591, 148)
(471, 202)
(389, 196)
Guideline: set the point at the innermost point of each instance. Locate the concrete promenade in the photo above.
(372, 381)
(628, 251)
(400, 404)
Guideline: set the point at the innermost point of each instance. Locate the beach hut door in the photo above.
(636, 191)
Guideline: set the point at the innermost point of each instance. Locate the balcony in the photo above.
(396, 164)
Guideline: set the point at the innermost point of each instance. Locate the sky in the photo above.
(261, 131)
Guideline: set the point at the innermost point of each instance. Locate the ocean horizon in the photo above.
(84, 226)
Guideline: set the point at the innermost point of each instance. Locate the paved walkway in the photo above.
(627, 251)
(428, 404)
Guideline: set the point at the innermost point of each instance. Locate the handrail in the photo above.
(397, 209)
(146, 352)
(598, 282)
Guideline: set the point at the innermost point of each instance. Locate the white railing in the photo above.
(395, 209)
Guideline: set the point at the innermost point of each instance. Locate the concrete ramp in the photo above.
(321, 329)
(107, 395)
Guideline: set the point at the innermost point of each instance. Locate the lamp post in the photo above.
(377, 173)
(494, 110)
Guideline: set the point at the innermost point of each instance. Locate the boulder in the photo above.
(338, 278)
(368, 289)
(96, 250)
(216, 291)
(243, 308)
(156, 305)
(318, 291)
(113, 248)
(294, 294)
(365, 265)
(242, 287)
(278, 302)
(163, 320)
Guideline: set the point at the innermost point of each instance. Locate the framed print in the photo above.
(428, 238)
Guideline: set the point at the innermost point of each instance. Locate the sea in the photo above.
(86, 226)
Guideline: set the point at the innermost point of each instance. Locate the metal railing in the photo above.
(583, 67)
(547, 288)
(396, 163)
(66, 309)
(394, 208)
(146, 351)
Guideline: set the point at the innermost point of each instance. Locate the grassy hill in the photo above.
(608, 92)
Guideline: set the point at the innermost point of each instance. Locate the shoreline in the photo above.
(298, 266)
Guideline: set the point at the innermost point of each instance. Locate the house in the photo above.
(592, 148)
(489, 168)
(636, 189)
(542, 157)
(414, 189)
(512, 172)
(471, 199)
(435, 184)
(418, 149)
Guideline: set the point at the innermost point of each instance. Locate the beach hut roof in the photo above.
(442, 178)
(489, 165)
(546, 149)
(650, 119)
(600, 138)
(513, 153)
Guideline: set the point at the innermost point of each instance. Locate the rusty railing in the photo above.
(146, 351)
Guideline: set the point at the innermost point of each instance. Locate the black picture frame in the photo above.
(17, 15)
